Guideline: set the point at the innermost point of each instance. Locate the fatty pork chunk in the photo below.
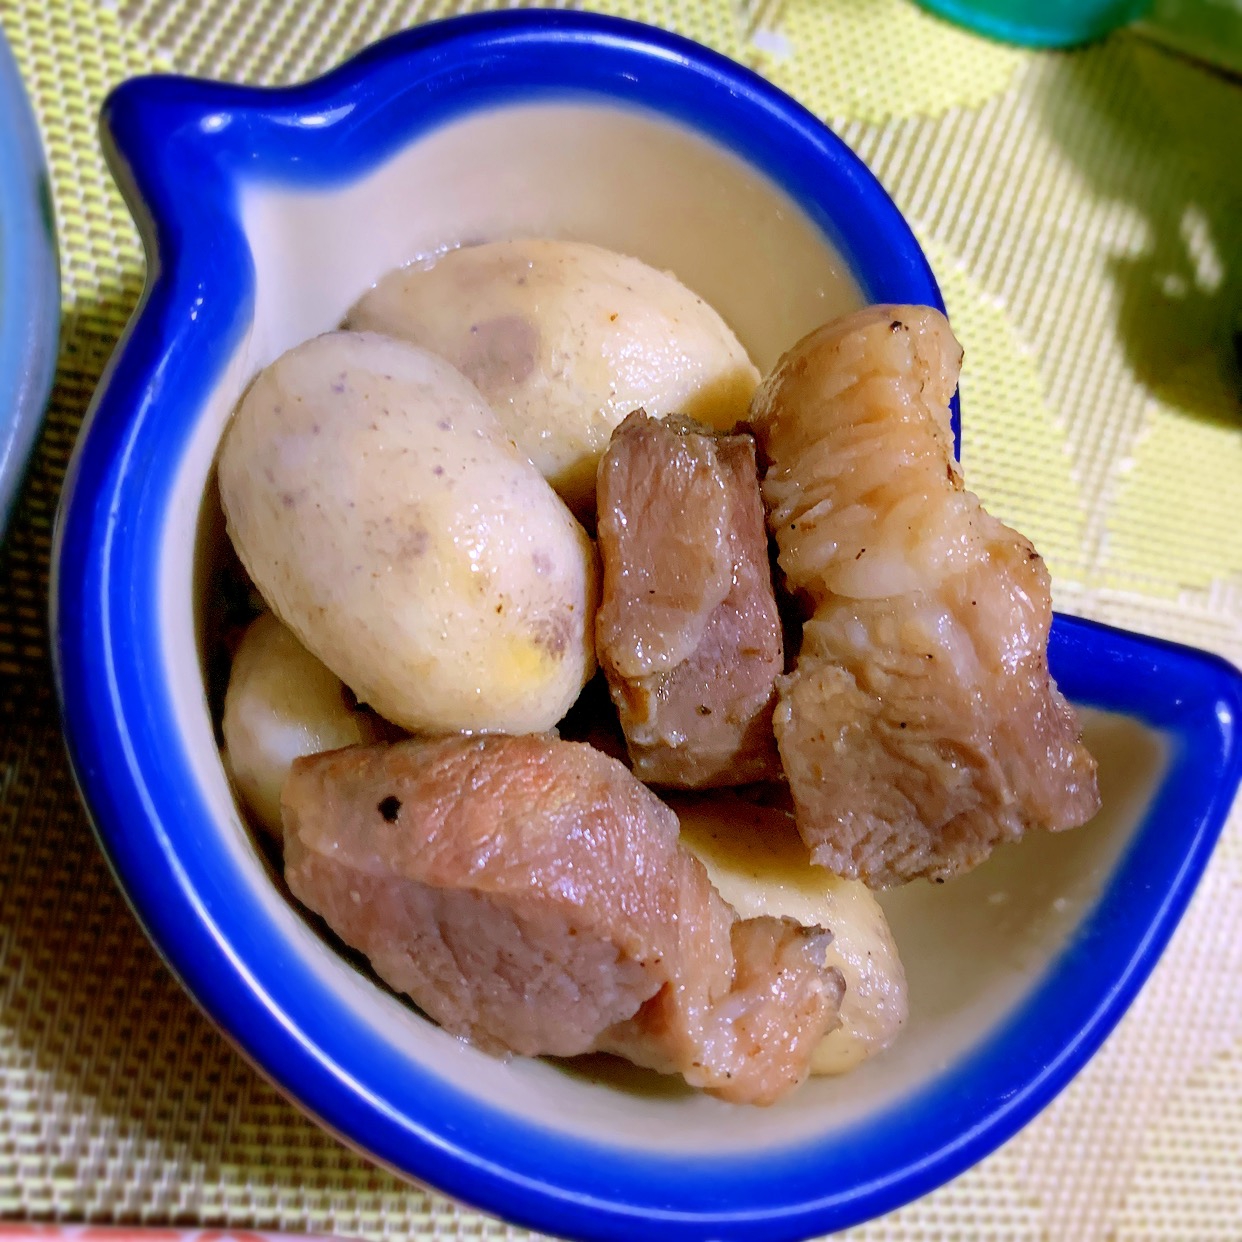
(530, 895)
(687, 631)
(920, 725)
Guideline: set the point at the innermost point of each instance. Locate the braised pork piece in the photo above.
(530, 895)
(687, 631)
(920, 726)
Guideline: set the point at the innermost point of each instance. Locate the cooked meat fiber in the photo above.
(530, 895)
(920, 725)
(687, 632)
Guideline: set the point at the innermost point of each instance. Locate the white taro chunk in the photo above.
(391, 523)
(757, 861)
(564, 339)
(283, 703)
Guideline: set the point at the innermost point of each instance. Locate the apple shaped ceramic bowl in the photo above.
(266, 213)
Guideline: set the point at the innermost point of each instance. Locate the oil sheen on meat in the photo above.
(530, 895)
(688, 632)
(920, 726)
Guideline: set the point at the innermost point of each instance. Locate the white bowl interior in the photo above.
(630, 181)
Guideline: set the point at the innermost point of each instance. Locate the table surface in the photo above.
(1082, 211)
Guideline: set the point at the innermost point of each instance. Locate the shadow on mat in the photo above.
(1154, 134)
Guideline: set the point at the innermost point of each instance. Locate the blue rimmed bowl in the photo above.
(265, 215)
(29, 283)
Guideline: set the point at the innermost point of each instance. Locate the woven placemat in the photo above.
(1084, 214)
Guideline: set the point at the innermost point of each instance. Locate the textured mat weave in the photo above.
(1084, 214)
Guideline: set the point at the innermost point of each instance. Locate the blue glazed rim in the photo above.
(137, 781)
(29, 284)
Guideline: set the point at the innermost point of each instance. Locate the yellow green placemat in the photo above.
(1084, 214)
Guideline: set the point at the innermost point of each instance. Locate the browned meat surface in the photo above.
(530, 895)
(920, 725)
(687, 632)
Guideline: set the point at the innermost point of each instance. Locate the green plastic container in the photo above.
(1040, 23)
